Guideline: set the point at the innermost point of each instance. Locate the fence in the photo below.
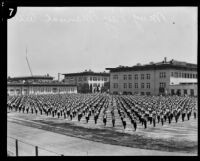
(16, 147)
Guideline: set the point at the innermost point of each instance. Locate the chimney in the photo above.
(165, 59)
(58, 77)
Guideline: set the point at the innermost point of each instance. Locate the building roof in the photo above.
(173, 64)
(31, 77)
(87, 73)
(40, 84)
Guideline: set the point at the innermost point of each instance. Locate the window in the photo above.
(130, 77)
(115, 76)
(136, 85)
(191, 92)
(98, 78)
(176, 74)
(79, 79)
(185, 75)
(162, 75)
(190, 75)
(185, 91)
(130, 85)
(125, 77)
(94, 78)
(142, 93)
(115, 85)
(162, 84)
(148, 85)
(125, 85)
(172, 74)
(136, 76)
(179, 75)
(105, 79)
(142, 85)
(148, 76)
(90, 78)
(182, 75)
(148, 93)
(85, 78)
(142, 76)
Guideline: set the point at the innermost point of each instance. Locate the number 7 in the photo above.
(11, 11)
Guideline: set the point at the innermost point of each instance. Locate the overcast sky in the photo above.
(72, 39)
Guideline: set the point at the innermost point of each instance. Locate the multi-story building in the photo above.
(88, 81)
(172, 77)
(37, 85)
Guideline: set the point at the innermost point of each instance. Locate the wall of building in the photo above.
(99, 81)
(155, 81)
(24, 90)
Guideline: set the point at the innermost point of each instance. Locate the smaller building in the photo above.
(37, 85)
(89, 81)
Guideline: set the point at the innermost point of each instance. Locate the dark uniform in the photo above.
(104, 119)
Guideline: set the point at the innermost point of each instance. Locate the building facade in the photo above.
(37, 85)
(154, 78)
(88, 81)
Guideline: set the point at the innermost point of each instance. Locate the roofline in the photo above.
(40, 84)
(86, 74)
(31, 77)
(153, 67)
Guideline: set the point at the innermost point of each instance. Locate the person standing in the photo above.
(183, 115)
(113, 120)
(104, 119)
(154, 118)
(87, 117)
(95, 117)
(162, 118)
(124, 123)
(195, 113)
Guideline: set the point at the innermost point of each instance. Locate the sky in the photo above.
(74, 39)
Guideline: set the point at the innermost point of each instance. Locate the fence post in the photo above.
(36, 150)
(16, 146)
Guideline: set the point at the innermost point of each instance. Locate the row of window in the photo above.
(129, 77)
(183, 75)
(126, 92)
(91, 78)
(129, 85)
(161, 75)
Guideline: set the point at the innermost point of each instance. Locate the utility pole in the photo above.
(28, 63)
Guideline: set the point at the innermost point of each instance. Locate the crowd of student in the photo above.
(133, 108)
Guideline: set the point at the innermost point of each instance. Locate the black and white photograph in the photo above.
(102, 81)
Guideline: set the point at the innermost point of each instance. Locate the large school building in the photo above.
(166, 77)
(37, 85)
(88, 81)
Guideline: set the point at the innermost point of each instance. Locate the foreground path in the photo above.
(62, 144)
